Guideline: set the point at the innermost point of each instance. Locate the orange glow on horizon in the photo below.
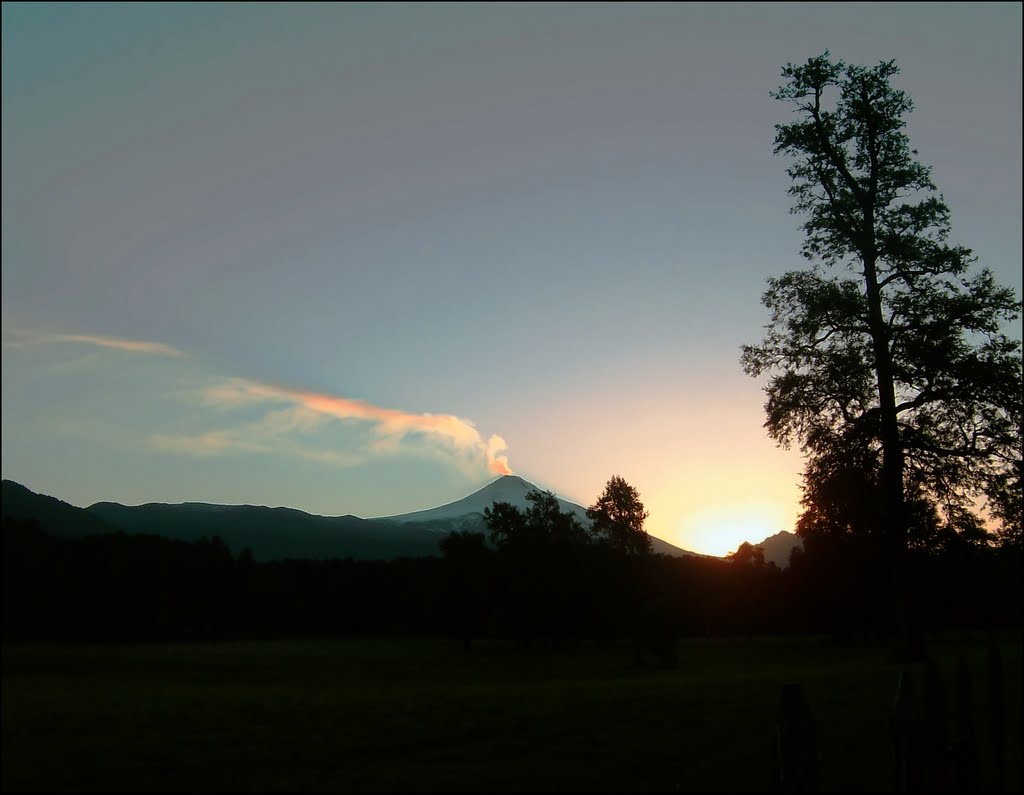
(708, 475)
(719, 530)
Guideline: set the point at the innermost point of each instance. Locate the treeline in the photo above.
(121, 587)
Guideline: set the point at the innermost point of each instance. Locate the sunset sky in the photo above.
(363, 258)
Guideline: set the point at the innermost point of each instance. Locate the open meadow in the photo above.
(422, 714)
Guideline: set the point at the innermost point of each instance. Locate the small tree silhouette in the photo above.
(618, 518)
(542, 528)
(748, 555)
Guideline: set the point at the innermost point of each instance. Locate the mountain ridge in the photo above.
(274, 533)
(778, 548)
(513, 490)
(507, 488)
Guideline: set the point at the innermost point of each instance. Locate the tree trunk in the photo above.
(894, 528)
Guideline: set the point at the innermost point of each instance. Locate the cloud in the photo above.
(274, 432)
(289, 414)
(205, 444)
(132, 346)
(246, 440)
(234, 392)
(391, 426)
(291, 419)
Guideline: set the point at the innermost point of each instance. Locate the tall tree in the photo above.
(888, 360)
(618, 518)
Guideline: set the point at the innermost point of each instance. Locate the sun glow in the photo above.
(719, 530)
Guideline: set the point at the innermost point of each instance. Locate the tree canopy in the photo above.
(888, 360)
(618, 518)
(542, 527)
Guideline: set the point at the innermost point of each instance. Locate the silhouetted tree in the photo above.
(462, 546)
(841, 501)
(540, 551)
(542, 527)
(894, 374)
(506, 525)
(618, 518)
(748, 555)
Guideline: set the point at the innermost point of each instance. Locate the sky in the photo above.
(364, 258)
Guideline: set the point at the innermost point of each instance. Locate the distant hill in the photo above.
(508, 488)
(280, 533)
(274, 533)
(779, 547)
(468, 513)
(54, 516)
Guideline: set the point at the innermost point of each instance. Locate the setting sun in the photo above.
(719, 530)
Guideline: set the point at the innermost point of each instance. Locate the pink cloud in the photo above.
(132, 346)
(391, 425)
(300, 412)
(204, 444)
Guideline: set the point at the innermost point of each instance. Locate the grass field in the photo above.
(420, 714)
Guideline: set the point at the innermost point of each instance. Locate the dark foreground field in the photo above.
(383, 714)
